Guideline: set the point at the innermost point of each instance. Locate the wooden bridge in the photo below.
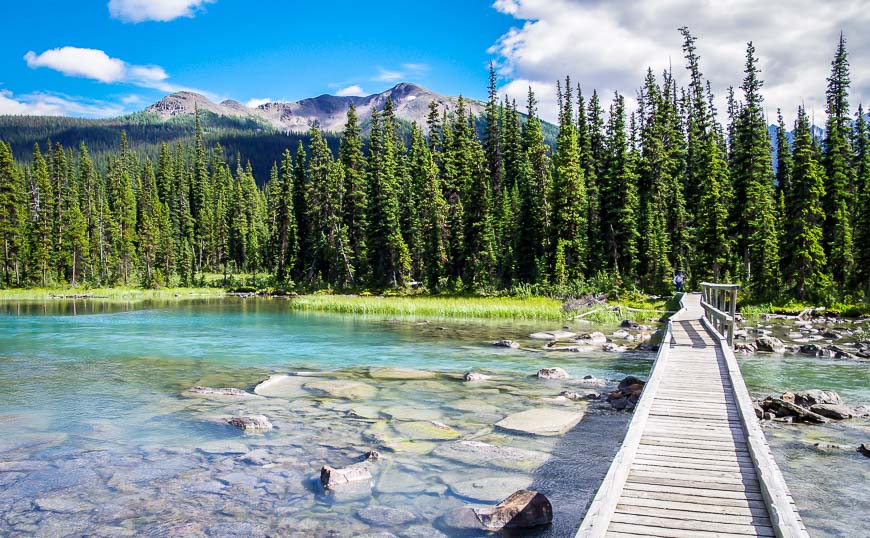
(694, 462)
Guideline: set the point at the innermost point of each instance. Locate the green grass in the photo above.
(107, 294)
(535, 308)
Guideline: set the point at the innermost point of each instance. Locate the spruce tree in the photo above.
(862, 212)
(535, 194)
(837, 156)
(12, 216)
(804, 274)
(40, 224)
(754, 209)
(569, 202)
(355, 203)
(619, 194)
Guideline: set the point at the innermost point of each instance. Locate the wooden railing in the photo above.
(720, 307)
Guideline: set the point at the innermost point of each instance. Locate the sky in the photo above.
(104, 58)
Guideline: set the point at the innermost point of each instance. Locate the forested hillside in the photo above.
(674, 185)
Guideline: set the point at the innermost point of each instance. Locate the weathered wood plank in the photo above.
(691, 525)
(634, 495)
(694, 490)
(749, 520)
(691, 482)
(622, 529)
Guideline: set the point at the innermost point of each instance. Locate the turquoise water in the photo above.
(100, 434)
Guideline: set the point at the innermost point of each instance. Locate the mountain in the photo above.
(328, 112)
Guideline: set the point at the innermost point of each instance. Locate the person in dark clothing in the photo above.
(679, 282)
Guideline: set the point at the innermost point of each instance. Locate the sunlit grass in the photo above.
(535, 308)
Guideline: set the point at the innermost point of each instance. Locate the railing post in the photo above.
(733, 311)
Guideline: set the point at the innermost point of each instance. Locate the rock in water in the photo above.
(225, 391)
(487, 490)
(351, 390)
(553, 335)
(834, 411)
(356, 476)
(809, 398)
(770, 344)
(506, 343)
(784, 409)
(250, 423)
(474, 376)
(541, 421)
(864, 450)
(485, 454)
(524, 509)
(592, 338)
(553, 373)
(391, 372)
(629, 382)
(281, 386)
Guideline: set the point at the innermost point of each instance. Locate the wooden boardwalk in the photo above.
(694, 462)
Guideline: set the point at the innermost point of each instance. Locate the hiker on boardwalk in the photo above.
(679, 282)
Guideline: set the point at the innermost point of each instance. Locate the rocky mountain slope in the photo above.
(411, 103)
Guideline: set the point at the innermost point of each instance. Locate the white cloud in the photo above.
(254, 103)
(131, 99)
(354, 90)
(609, 45)
(154, 10)
(387, 75)
(44, 104)
(416, 67)
(95, 64)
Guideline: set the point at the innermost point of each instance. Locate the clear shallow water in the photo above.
(100, 436)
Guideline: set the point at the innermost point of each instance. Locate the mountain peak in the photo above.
(329, 112)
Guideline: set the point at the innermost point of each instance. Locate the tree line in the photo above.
(635, 195)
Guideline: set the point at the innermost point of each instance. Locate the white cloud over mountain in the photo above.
(608, 45)
(154, 10)
(45, 104)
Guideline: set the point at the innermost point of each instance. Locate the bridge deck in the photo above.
(688, 467)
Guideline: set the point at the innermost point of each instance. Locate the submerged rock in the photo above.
(864, 450)
(488, 489)
(391, 372)
(474, 376)
(506, 343)
(250, 423)
(282, 386)
(351, 390)
(356, 477)
(542, 421)
(224, 391)
(384, 516)
(592, 338)
(553, 373)
(485, 454)
(613, 348)
(553, 335)
(411, 413)
(425, 429)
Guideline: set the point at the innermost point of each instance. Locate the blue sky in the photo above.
(277, 50)
(107, 57)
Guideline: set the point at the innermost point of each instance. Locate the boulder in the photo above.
(864, 450)
(610, 347)
(628, 324)
(592, 338)
(834, 411)
(553, 373)
(620, 334)
(769, 344)
(250, 423)
(474, 376)
(523, 509)
(356, 477)
(541, 421)
(628, 382)
(784, 409)
(506, 343)
(745, 348)
(809, 398)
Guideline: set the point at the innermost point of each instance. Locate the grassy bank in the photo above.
(107, 294)
(535, 308)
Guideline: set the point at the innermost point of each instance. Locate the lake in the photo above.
(100, 433)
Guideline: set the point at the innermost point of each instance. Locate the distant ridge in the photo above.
(328, 112)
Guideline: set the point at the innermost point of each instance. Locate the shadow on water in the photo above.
(577, 466)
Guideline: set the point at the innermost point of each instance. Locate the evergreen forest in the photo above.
(464, 204)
